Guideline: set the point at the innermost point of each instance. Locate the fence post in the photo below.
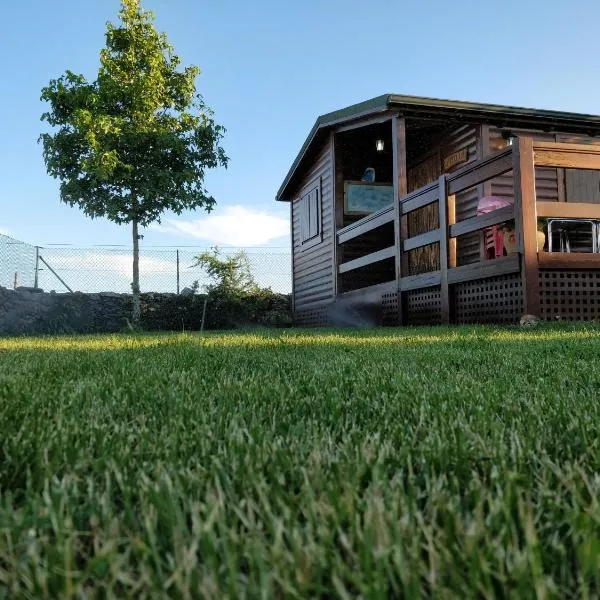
(177, 271)
(444, 222)
(37, 267)
(400, 189)
(526, 223)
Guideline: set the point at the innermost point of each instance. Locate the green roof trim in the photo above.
(590, 123)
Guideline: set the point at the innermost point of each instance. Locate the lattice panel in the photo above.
(570, 295)
(424, 306)
(312, 317)
(389, 309)
(492, 300)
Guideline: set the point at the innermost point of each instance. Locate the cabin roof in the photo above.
(493, 114)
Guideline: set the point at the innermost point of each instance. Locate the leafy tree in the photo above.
(136, 141)
(231, 274)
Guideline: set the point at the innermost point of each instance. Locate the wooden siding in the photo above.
(465, 136)
(313, 266)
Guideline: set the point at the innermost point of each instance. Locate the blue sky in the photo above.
(269, 68)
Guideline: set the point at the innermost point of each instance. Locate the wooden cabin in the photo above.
(410, 210)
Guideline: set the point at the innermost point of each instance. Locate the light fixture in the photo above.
(379, 145)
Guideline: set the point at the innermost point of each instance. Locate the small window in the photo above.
(310, 216)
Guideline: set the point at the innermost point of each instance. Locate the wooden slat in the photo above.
(419, 198)
(564, 260)
(366, 224)
(422, 240)
(451, 240)
(369, 259)
(479, 171)
(484, 269)
(476, 223)
(372, 292)
(591, 146)
(568, 159)
(424, 280)
(526, 223)
(568, 210)
(400, 181)
(443, 216)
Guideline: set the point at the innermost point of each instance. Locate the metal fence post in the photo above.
(37, 267)
(177, 271)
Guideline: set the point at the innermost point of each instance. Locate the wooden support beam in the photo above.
(568, 210)
(368, 259)
(399, 178)
(443, 219)
(526, 222)
(476, 223)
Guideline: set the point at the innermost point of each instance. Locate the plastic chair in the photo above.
(493, 237)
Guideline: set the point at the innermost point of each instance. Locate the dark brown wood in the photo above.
(338, 200)
(444, 288)
(424, 280)
(364, 122)
(484, 269)
(292, 257)
(560, 184)
(568, 210)
(372, 292)
(476, 223)
(400, 189)
(570, 156)
(477, 172)
(564, 260)
(369, 259)
(526, 222)
(418, 241)
(366, 224)
(451, 240)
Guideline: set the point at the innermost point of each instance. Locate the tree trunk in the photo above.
(135, 286)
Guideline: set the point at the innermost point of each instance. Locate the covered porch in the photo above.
(424, 258)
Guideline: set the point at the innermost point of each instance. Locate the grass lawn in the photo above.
(382, 463)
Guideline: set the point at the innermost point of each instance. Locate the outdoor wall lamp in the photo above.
(379, 145)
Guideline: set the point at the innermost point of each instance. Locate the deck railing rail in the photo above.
(521, 158)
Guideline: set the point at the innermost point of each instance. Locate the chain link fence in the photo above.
(108, 269)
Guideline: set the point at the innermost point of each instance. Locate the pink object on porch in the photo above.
(493, 238)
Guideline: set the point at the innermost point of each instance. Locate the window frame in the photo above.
(304, 206)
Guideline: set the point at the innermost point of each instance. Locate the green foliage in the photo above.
(137, 140)
(234, 298)
(230, 274)
(442, 462)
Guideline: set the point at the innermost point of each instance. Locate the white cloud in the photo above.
(121, 264)
(233, 226)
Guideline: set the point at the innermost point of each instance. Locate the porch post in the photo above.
(446, 218)
(400, 190)
(526, 223)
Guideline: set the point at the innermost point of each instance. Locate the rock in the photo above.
(529, 321)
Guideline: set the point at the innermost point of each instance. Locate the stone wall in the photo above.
(29, 311)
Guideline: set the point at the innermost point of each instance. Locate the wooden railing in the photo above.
(570, 156)
(521, 158)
